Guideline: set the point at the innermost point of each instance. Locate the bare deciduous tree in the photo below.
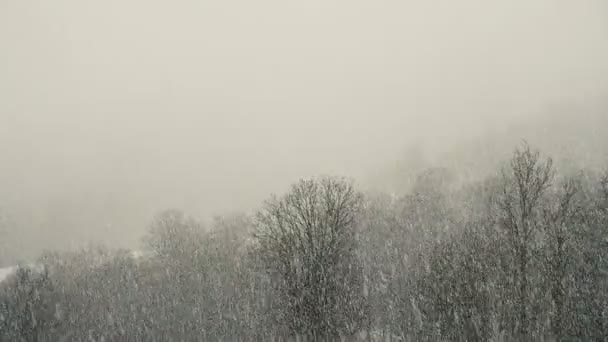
(307, 240)
(525, 181)
(173, 235)
(558, 221)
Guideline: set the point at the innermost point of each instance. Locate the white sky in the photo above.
(112, 110)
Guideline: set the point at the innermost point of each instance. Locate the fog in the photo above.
(111, 111)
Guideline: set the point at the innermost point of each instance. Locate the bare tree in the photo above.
(588, 300)
(525, 182)
(307, 240)
(174, 235)
(604, 185)
(558, 220)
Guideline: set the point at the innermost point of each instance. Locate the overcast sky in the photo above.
(112, 110)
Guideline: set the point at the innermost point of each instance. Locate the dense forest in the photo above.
(520, 255)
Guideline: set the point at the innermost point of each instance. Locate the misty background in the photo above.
(111, 111)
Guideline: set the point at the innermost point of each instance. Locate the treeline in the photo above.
(522, 255)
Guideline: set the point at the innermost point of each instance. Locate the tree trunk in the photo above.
(558, 291)
(523, 293)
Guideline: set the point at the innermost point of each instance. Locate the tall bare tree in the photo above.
(526, 180)
(307, 240)
(173, 235)
(558, 222)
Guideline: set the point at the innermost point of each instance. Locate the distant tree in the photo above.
(604, 187)
(233, 282)
(174, 236)
(382, 252)
(307, 240)
(526, 181)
